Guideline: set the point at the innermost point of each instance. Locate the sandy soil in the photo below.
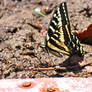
(20, 42)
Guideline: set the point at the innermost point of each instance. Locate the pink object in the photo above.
(46, 85)
(43, 31)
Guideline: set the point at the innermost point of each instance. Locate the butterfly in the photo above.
(59, 38)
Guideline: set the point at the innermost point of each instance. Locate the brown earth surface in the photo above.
(20, 42)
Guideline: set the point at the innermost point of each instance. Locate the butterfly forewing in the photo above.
(59, 37)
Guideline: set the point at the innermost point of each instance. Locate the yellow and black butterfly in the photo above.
(59, 38)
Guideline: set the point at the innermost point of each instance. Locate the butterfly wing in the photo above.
(59, 38)
(60, 18)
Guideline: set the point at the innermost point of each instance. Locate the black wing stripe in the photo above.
(54, 25)
(66, 35)
(56, 45)
(56, 36)
(50, 32)
(63, 17)
(64, 14)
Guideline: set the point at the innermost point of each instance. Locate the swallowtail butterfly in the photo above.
(59, 38)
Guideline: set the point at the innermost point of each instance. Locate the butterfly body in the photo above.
(59, 38)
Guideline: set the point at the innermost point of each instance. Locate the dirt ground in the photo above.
(20, 41)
